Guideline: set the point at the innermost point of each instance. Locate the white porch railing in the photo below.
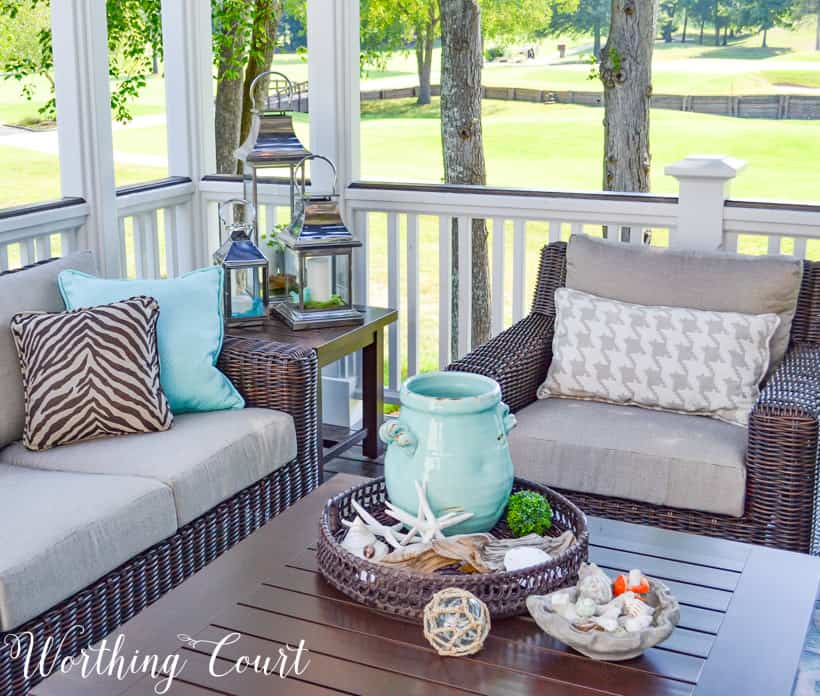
(407, 232)
(37, 233)
(155, 229)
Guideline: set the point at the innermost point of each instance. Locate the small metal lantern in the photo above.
(318, 260)
(271, 141)
(245, 294)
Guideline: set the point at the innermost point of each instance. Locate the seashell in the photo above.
(361, 542)
(567, 611)
(611, 612)
(524, 557)
(616, 604)
(607, 623)
(594, 583)
(559, 599)
(637, 623)
(634, 606)
(585, 607)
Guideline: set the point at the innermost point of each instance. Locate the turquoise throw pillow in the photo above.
(189, 331)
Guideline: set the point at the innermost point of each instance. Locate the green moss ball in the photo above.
(528, 512)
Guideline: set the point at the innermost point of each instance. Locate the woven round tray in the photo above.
(405, 592)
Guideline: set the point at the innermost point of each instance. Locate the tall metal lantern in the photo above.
(245, 294)
(271, 141)
(318, 260)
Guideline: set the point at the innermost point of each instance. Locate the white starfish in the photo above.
(388, 533)
(425, 524)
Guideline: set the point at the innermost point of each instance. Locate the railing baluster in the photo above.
(171, 243)
(361, 261)
(412, 294)
(555, 231)
(578, 228)
(4, 257)
(444, 289)
(68, 241)
(800, 247)
(519, 268)
(28, 253)
(773, 245)
(185, 249)
(151, 244)
(497, 294)
(730, 241)
(43, 247)
(465, 284)
(393, 288)
(124, 245)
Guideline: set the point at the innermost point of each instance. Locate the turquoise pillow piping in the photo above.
(189, 331)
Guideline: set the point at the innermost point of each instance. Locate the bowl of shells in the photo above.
(607, 619)
(395, 561)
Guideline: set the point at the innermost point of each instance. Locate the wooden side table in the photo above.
(331, 344)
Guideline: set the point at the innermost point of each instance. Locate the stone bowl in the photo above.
(604, 645)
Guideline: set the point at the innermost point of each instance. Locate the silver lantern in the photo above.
(318, 259)
(245, 289)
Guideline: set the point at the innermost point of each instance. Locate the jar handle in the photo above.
(508, 420)
(395, 433)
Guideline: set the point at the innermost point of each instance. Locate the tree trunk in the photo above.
(717, 22)
(626, 73)
(228, 104)
(685, 23)
(702, 24)
(463, 147)
(817, 30)
(725, 34)
(596, 38)
(266, 16)
(765, 31)
(425, 40)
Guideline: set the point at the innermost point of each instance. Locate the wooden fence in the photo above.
(774, 106)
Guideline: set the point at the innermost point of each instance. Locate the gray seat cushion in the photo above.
(204, 458)
(60, 532)
(716, 281)
(34, 289)
(670, 459)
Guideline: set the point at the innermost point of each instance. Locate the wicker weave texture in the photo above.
(781, 458)
(405, 593)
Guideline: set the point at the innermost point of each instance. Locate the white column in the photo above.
(189, 98)
(80, 47)
(703, 188)
(333, 100)
(333, 87)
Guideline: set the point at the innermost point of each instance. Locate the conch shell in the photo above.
(594, 583)
(361, 542)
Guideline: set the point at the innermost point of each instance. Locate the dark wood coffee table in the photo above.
(744, 614)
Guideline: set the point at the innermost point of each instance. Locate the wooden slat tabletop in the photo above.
(268, 591)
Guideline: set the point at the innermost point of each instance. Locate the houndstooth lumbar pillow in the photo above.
(90, 373)
(665, 358)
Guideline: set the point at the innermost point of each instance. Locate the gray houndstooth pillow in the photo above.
(90, 373)
(665, 358)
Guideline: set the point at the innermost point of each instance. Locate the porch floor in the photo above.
(352, 461)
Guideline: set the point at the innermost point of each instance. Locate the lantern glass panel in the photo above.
(326, 284)
(292, 284)
(247, 292)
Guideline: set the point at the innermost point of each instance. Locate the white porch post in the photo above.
(703, 188)
(333, 87)
(80, 46)
(333, 100)
(189, 98)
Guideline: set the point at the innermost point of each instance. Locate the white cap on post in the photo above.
(703, 186)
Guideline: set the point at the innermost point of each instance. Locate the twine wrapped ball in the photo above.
(456, 622)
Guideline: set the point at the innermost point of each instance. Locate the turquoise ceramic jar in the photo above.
(452, 435)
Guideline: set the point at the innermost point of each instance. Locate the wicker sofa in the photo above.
(778, 456)
(94, 532)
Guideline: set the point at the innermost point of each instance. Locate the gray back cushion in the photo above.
(714, 281)
(34, 289)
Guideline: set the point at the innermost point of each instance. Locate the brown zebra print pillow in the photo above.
(90, 373)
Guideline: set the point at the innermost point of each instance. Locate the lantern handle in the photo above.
(268, 74)
(301, 164)
(247, 205)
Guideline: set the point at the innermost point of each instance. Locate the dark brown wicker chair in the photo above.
(781, 457)
(268, 375)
